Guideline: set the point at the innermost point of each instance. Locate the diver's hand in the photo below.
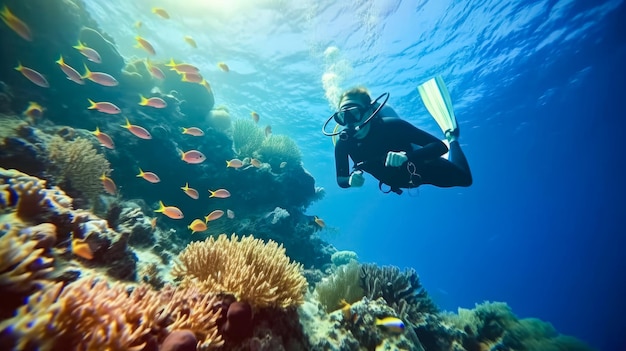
(395, 159)
(356, 179)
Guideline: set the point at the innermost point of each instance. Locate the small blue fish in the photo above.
(392, 324)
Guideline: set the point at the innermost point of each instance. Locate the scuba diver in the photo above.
(398, 154)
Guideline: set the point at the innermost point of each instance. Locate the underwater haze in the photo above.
(537, 88)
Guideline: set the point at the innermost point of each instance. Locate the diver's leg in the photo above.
(447, 173)
(457, 157)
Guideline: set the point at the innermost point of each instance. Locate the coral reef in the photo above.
(340, 258)
(78, 166)
(277, 149)
(342, 285)
(247, 137)
(259, 273)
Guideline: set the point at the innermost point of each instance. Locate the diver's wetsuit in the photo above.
(422, 149)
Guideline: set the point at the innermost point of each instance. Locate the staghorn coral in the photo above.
(279, 148)
(91, 314)
(255, 272)
(343, 285)
(247, 137)
(402, 291)
(78, 166)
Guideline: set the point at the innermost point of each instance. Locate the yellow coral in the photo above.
(256, 272)
(78, 163)
(91, 314)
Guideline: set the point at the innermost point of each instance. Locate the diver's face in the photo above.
(350, 113)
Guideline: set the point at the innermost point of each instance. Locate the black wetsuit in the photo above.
(423, 150)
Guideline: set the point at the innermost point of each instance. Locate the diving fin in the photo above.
(437, 101)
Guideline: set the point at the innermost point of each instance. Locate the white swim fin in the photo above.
(437, 101)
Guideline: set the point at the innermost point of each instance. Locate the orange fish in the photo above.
(191, 192)
(161, 12)
(193, 156)
(16, 24)
(149, 176)
(320, 222)
(192, 78)
(230, 214)
(182, 67)
(190, 41)
(170, 211)
(138, 131)
(70, 72)
(153, 223)
(101, 78)
(91, 54)
(268, 131)
(194, 131)
(34, 110)
(105, 107)
(155, 102)
(197, 226)
(32, 75)
(155, 71)
(213, 215)
(256, 163)
(255, 116)
(109, 185)
(223, 67)
(220, 193)
(81, 248)
(144, 44)
(234, 163)
(104, 139)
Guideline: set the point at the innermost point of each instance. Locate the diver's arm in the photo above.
(342, 166)
(432, 147)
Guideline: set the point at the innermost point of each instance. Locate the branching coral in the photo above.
(247, 137)
(343, 285)
(402, 291)
(79, 165)
(255, 272)
(279, 148)
(92, 314)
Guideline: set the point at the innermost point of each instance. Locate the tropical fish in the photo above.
(105, 107)
(91, 54)
(213, 215)
(160, 12)
(230, 214)
(138, 24)
(220, 193)
(197, 226)
(170, 211)
(144, 44)
(190, 41)
(81, 248)
(104, 139)
(191, 192)
(223, 67)
(194, 131)
(319, 222)
(155, 102)
(255, 116)
(392, 324)
(138, 131)
(182, 67)
(155, 71)
(153, 223)
(192, 78)
(32, 75)
(268, 131)
(34, 110)
(234, 163)
(108, 184)
(149, 176)
(101, 78)
(16, 24)
(70, 72)
(256, 163)
(193, 156)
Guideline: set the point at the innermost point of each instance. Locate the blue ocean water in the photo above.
(537, 88)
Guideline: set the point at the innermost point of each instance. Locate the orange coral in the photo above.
(255, 272)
